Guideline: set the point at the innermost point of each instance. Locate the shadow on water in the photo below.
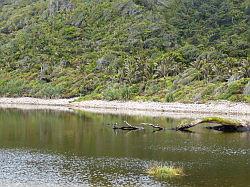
(63, 148)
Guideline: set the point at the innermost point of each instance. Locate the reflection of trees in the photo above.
(86, 134)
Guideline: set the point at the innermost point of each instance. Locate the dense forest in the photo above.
(157, 50)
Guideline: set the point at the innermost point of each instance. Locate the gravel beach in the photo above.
(240, 110)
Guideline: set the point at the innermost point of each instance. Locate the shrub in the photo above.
(169, 97)
(124, 92)
(234, 88)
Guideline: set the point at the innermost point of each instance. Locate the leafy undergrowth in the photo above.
(161, 90)
(198, 91)
(172, 50)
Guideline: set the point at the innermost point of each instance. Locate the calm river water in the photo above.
(52, 148)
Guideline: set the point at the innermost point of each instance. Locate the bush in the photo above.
(120, 93)
(13, 87)
(234, 88)
(169, 97)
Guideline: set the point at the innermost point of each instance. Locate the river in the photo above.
(56, 148)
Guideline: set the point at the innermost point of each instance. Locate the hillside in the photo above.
(160, 50)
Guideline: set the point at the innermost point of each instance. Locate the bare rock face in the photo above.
(102, 63)
(3, 2)
(59, 5)
(150, 4)
(247, 89)
(44, 71)
(127, 8)
(64, 63)
(24, 63)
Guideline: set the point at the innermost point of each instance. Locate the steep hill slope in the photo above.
(164, 50)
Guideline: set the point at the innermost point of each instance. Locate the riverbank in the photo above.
(240, 110)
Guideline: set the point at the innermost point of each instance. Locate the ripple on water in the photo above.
(29, 168)
(212, 149)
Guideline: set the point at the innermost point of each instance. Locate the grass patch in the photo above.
(164, 172)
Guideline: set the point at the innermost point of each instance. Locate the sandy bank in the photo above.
(35, 101)
(239, 110)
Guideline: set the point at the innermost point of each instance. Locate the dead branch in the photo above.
(128, 127)
(225, 125)
(159, 128)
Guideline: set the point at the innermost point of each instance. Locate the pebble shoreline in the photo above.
(146, 108)
(213, 107)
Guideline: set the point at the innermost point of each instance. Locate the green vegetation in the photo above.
(165, 172)
(223, 121)
(168, 50)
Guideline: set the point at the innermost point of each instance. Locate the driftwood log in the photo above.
(157, 127)
(127, 127)
(225, 125)
(130, 127)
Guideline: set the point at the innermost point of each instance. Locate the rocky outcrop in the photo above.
(127, 8)
(59, 5)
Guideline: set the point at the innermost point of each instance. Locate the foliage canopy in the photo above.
(163, 50)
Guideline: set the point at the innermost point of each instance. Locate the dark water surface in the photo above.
(51, 148)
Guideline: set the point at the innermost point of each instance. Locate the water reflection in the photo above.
(60, 148)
